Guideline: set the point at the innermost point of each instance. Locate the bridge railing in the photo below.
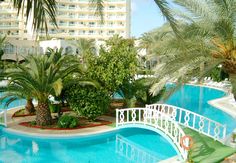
(156, 119)
(192, 120)
(3, 117)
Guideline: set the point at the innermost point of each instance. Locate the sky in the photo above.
(145, 16)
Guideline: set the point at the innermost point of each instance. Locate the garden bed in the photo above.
(21, 112)
(83, 123)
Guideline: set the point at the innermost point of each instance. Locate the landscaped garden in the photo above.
(69, 92)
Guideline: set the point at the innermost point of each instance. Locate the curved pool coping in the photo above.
(102, 129)
(230, 109)
(110, 130)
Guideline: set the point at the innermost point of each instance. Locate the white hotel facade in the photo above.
(75, 19)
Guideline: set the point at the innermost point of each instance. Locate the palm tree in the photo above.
(208, 34)
(2, 41)
(85, 47)
(38, 78)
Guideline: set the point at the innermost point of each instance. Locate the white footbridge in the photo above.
(169, 121)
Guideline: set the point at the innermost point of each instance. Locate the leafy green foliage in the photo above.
(138, 92)
(39, 77)
(55, 108)
(143, 95)
(41, 10)
(217, 74)
(87, 101)
(115, 64)
(67, 121)
(208, 39)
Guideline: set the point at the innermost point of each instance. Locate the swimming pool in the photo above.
(14, 104)
(126, 145)
(195, 98)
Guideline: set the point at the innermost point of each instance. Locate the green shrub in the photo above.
(87, 101)
(67, 121)
(54, 108)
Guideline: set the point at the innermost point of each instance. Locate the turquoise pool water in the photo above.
(126, 145)
(122, 146)
(196, 99)
(14, 104)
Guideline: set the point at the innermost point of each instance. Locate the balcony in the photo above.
(9, 26)
(63, 24)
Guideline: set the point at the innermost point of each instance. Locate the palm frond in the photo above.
(38, 11)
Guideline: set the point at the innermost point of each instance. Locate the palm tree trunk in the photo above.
(29, 106)
(233, 81)
(202, 67)
(43, 115)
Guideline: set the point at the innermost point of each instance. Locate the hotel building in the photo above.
(75, 19)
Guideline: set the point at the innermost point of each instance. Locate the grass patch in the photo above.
(1, 120)
(112, 125)
(205, 149)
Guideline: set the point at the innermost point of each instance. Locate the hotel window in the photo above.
(71, 23)
(111, 32)
(91, 32)
(71, 15)
(91, 24)
(62, 31)
(82, 32)
(71, 6)
(110, 24)
(121, 23)
(81, 15)
(71, 32)
(62, 23)
(112, 7)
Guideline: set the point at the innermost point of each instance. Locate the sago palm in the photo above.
(38, 78)
(208, 40)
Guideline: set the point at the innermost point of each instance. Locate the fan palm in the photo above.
(208, 40)
(38, 78)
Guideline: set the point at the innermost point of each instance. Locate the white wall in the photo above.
(58, 44)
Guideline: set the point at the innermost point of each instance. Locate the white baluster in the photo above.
(117, 117)
(127, 116)
(209, 127)
(194, 120)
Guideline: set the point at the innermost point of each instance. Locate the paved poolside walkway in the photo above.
(226, 104)
(205, 149)
(13, 126)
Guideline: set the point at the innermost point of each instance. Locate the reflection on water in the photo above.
(134, 152)
(122, 146)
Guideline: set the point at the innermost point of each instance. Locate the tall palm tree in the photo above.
(208, 40)
(41, 10)
(38, 78)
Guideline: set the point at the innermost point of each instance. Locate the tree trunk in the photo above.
(202, 67)
(233, 81)
(43, 115)
(29, 106)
